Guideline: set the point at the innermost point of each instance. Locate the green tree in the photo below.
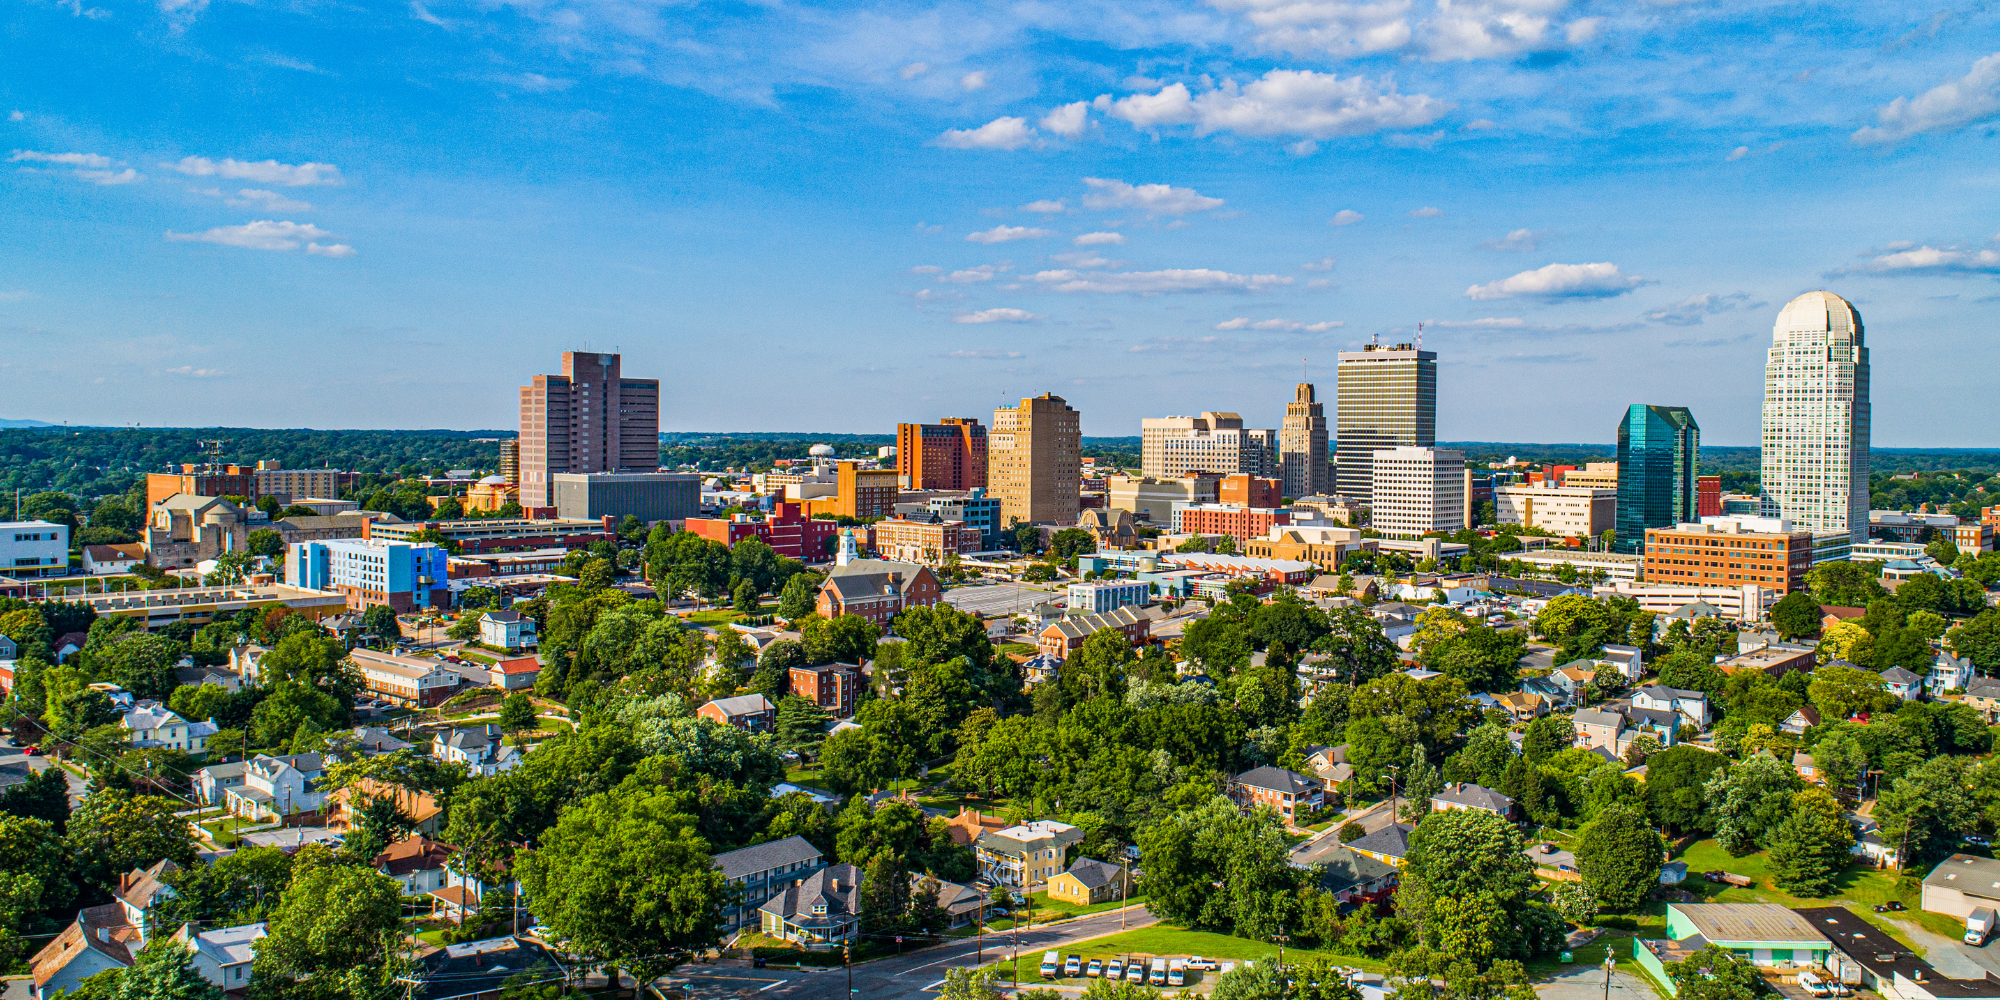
(1619, 855)
(1676, 792)
(114, 831)
(1467, 885)
(1845, 584)
(165, 971)
(940, 633)
(1842, 692)
(1484, 659)
(1810, 848)
(1979, 639)
(796, 599)
(627, 880)
(332, 917)
(1189, 852)
(773, 678)
(845, 639)
(1713, 973)
(266, 542)
(971, 984)
(139, 662)
(1547, 736)
(381, 620)
(517, 712)
(1929, 809)
(1750, 800)
(1070, 542)
(745, 600)
(1796, 616)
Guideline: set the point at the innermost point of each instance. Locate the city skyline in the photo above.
(930, 207)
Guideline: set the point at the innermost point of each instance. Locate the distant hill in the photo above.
(24, 423)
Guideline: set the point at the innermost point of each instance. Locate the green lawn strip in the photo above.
(1859, 889)
(466, 654)
(1061, 908)
(716, 616)
(1172, 942)
(808, 777)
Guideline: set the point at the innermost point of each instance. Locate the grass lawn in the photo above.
(1015, 647)
(715, 616)
(1172, 942)
(467, 654)
(224, 831)
(808, 776)
(1859, 889)
(1058, 907)
(433, 937)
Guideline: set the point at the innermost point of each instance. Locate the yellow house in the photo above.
(1088, 882)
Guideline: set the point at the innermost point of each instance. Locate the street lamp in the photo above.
(1609, 964)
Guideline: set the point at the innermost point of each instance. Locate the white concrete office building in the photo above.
(1420, 490)
(1816, 422)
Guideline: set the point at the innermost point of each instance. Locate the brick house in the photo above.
(1061, 638)
(1286, 791)
(835, 687)
(876, 589)
(752, 713)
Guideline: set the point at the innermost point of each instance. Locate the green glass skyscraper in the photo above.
(1659, 451)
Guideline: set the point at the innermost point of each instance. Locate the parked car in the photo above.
(1050, 964)
(1979, 840)
(1095, 969)
(1203, 964)
(1718, 875)
(1116, 970)
(1135, 971)
(1072, 966)
(32, 751)
(1890, 907)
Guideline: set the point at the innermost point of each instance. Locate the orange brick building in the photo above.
(1061, 638)
(947, 455)
(1245, 490)
(1721, 555)
(1244, 523)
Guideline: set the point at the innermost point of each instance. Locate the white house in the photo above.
(274, 787)
(1950, 673)
(1693, 704)
(155, 725)
(223, 956)
(1902, 683)
(508, 630)
(480, 748)
(104, 560)
(212, 783)
(1627, 660)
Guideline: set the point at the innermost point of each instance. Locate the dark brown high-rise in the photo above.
(588, 419)
(947, 455)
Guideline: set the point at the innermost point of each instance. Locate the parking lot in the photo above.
(997, 598)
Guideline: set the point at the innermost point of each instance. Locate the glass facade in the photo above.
(1387, 399)
(1659, 449)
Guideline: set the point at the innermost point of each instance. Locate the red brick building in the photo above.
(947, 455)
(834, 687)
(1289, 792)
(1064, 637)
(921, 541)
(1243, 523)
(1708, 496)
(786, 529)
(877, 589)
(1245, 490)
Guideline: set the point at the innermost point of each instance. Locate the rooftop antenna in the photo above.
(1420, 336)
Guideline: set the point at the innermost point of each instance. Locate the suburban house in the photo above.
(1693, 705)
(1389, 845)
(752, 713)
(970, 823)
(154, 725)
(481, 970)
(508, 630)
(834, 687)
(101, 560)
(1831, 615)
(211, 782)
(1614, 731)
(1766, 934)
(1354, 875)
(514, 674)
(961, 903)
(1288, 792)
(103, 937)
(417, 862)
(1983, 694)
(1902, 683)
(481, 748)
(1950, 673)
(1023, 856)
(277, 787)
(1805, 718)
(223, 955)
(374, 741)
(1629, 661)
(1802, 763)
(1465, 795)
(759, 872)
(1040, 668)
(1066, 636)
(1089, 882)
(1523, 706)
(819, 912)
(1574, 677)
(345, 804)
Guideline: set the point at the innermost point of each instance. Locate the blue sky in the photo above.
(387, 213)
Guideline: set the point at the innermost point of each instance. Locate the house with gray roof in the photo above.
(1389, 845)
(752, 713)
(1691, 704)
(1090, 881)
(1289, 792)
(1466, 795)
(223, 956)
(1902, 683)
(819, 912)
(761, 871)
(1351, 874)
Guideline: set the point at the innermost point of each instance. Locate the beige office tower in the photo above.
(1032, 458)
(591, 418)
(1816, 417)
(1213, 443)
(1302, 444)
(1388, 399)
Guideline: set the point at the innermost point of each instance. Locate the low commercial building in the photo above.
(1324, 546)
(1765, 934)
(493, 564)
(1560, 510)
(1245, 490)
(500, 534)
(402, 576)
(1730, 552)
(1615, 566)
(759, 872)
(156, 608)
(651, 497)
(752, 713)
(1960, 884)
(405, 680)
(1747, 602)
(1107, 595)
(1274, 572)
(917, 540)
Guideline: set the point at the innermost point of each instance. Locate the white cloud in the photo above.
(1046, 207)
(1560, 281)
(15, 296)
(1322, 264)
(1088, 259)
(1008, 234)
(1287, 325)
(1068, 121)
(1488, 322)
(1459, 29)
(1099, 240)
(1283, 102)
(534, 83)
(1345, 217)
(1490, 29)
(331, 250)
(988, 355)
(89, 166)
(1737, 154)
(926, 269)
(269, 201)
(1518, 241)
(1159, 282)
(263, 172)
(1153, 199)
(15, 116)
(935, 294)
(1426, 212)
(109, 177)
(975, 80)
(1970, 99)
(984, 272)
(191, 370)
(1695, 308)
(1481, 125)
(924, 228)
(261, 235)
(1000, 133)
(1337, 27)
(1933, 260)
(998, 316)
(1303, 147)
(421, 13)
(913, 70)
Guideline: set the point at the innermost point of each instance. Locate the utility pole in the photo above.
(1609, 964)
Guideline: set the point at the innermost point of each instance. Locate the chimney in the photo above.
(834, 884)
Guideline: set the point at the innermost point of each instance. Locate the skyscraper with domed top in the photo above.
(1816, 422)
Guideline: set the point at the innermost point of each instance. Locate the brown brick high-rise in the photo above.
(588, 419)
(1032, 461)
(947, 455)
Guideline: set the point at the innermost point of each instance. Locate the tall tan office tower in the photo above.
(1302, 443)
(1032, 459)
(591, 418)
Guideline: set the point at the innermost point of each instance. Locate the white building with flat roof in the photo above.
(1562, 510)
(1420, 490)
(1616, 565)
(33, 548)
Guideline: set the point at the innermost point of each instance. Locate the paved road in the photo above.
(12, 755)
(1314, 851)
(913, 975)
(1587, 983)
